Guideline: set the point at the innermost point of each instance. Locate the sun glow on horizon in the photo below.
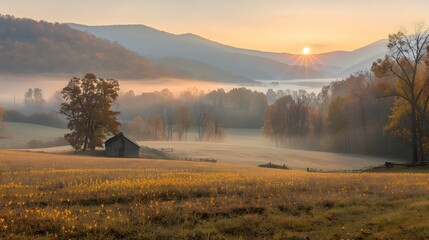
(306, 51)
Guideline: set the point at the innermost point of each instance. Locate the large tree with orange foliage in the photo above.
(404, 66)
(87, 106)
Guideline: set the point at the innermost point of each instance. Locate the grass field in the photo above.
(46, 196)
(241, 146)
(254, 154)
(17, 135)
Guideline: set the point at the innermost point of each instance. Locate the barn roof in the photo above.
(117, 137)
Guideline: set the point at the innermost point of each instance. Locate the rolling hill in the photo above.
(247, 63)
(28, 46)
(157, 44)
(332, 61)
(199, 70)
(138, 52)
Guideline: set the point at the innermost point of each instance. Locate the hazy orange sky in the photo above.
(270, 25)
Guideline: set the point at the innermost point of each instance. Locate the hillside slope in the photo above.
(199, 70)
(248, 63)
(28, 46)
(157, 44)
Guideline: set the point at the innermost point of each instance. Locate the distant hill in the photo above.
(28, 46)
(138, 51)
(247, 63)
(158, 44)
(364, 65)
(337, 60)
(199, 70)
(347, 59)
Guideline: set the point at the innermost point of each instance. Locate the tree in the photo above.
(28, 97)
(201, 113)
(218, 133)
(183, 122)
(38, 97)
(211, 129)
(154, 127)
(271, 96)
(2, 111)
(87, 107)
(208, 127)
(240, 99)
(399, 119)
(168, 119)
(135, 128)
(34, 98)
(300, 115)
(277, 120)
(402, 65)
(337, 118)
(287, 119)
(55, 100)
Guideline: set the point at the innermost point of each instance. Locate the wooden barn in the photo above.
(121, 146)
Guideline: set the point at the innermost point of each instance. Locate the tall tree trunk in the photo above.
(414, 142)
(380, 129)
(421, 134)
(85, 144)
(363, 120)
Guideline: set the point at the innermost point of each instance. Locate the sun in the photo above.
(306, 51)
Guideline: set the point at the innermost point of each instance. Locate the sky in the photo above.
(266, 25)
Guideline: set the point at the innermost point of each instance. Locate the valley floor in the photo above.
(253, 154)
(47, 196)
(241, 146)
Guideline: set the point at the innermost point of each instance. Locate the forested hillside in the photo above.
(28, 46)
(239, 62)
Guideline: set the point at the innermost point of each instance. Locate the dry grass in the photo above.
(241, 146)
(44, 196)
(19, 134)
(257, 150)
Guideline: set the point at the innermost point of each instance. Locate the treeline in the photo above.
(37, 110)
(159, 115)
(28, 46)
(385, 111)
(382, 112)
(46, 119)
(346, 116)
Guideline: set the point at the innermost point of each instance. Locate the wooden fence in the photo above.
(161, 153)
(210, 160)
(166, 149)
(344, 170)
(366, 169)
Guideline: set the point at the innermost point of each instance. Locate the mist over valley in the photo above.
(214, 120)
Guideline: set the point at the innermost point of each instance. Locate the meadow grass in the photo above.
(241, 146)
(48, 196)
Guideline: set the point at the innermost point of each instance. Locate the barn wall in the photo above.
(113, 149)
(131, 150)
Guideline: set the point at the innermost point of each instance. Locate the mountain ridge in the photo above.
(40, 47)
(155, 43)
(30, 46)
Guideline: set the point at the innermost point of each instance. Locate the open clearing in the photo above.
(241, 146)
(246, 154)
(44, 196)
(17, 135)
